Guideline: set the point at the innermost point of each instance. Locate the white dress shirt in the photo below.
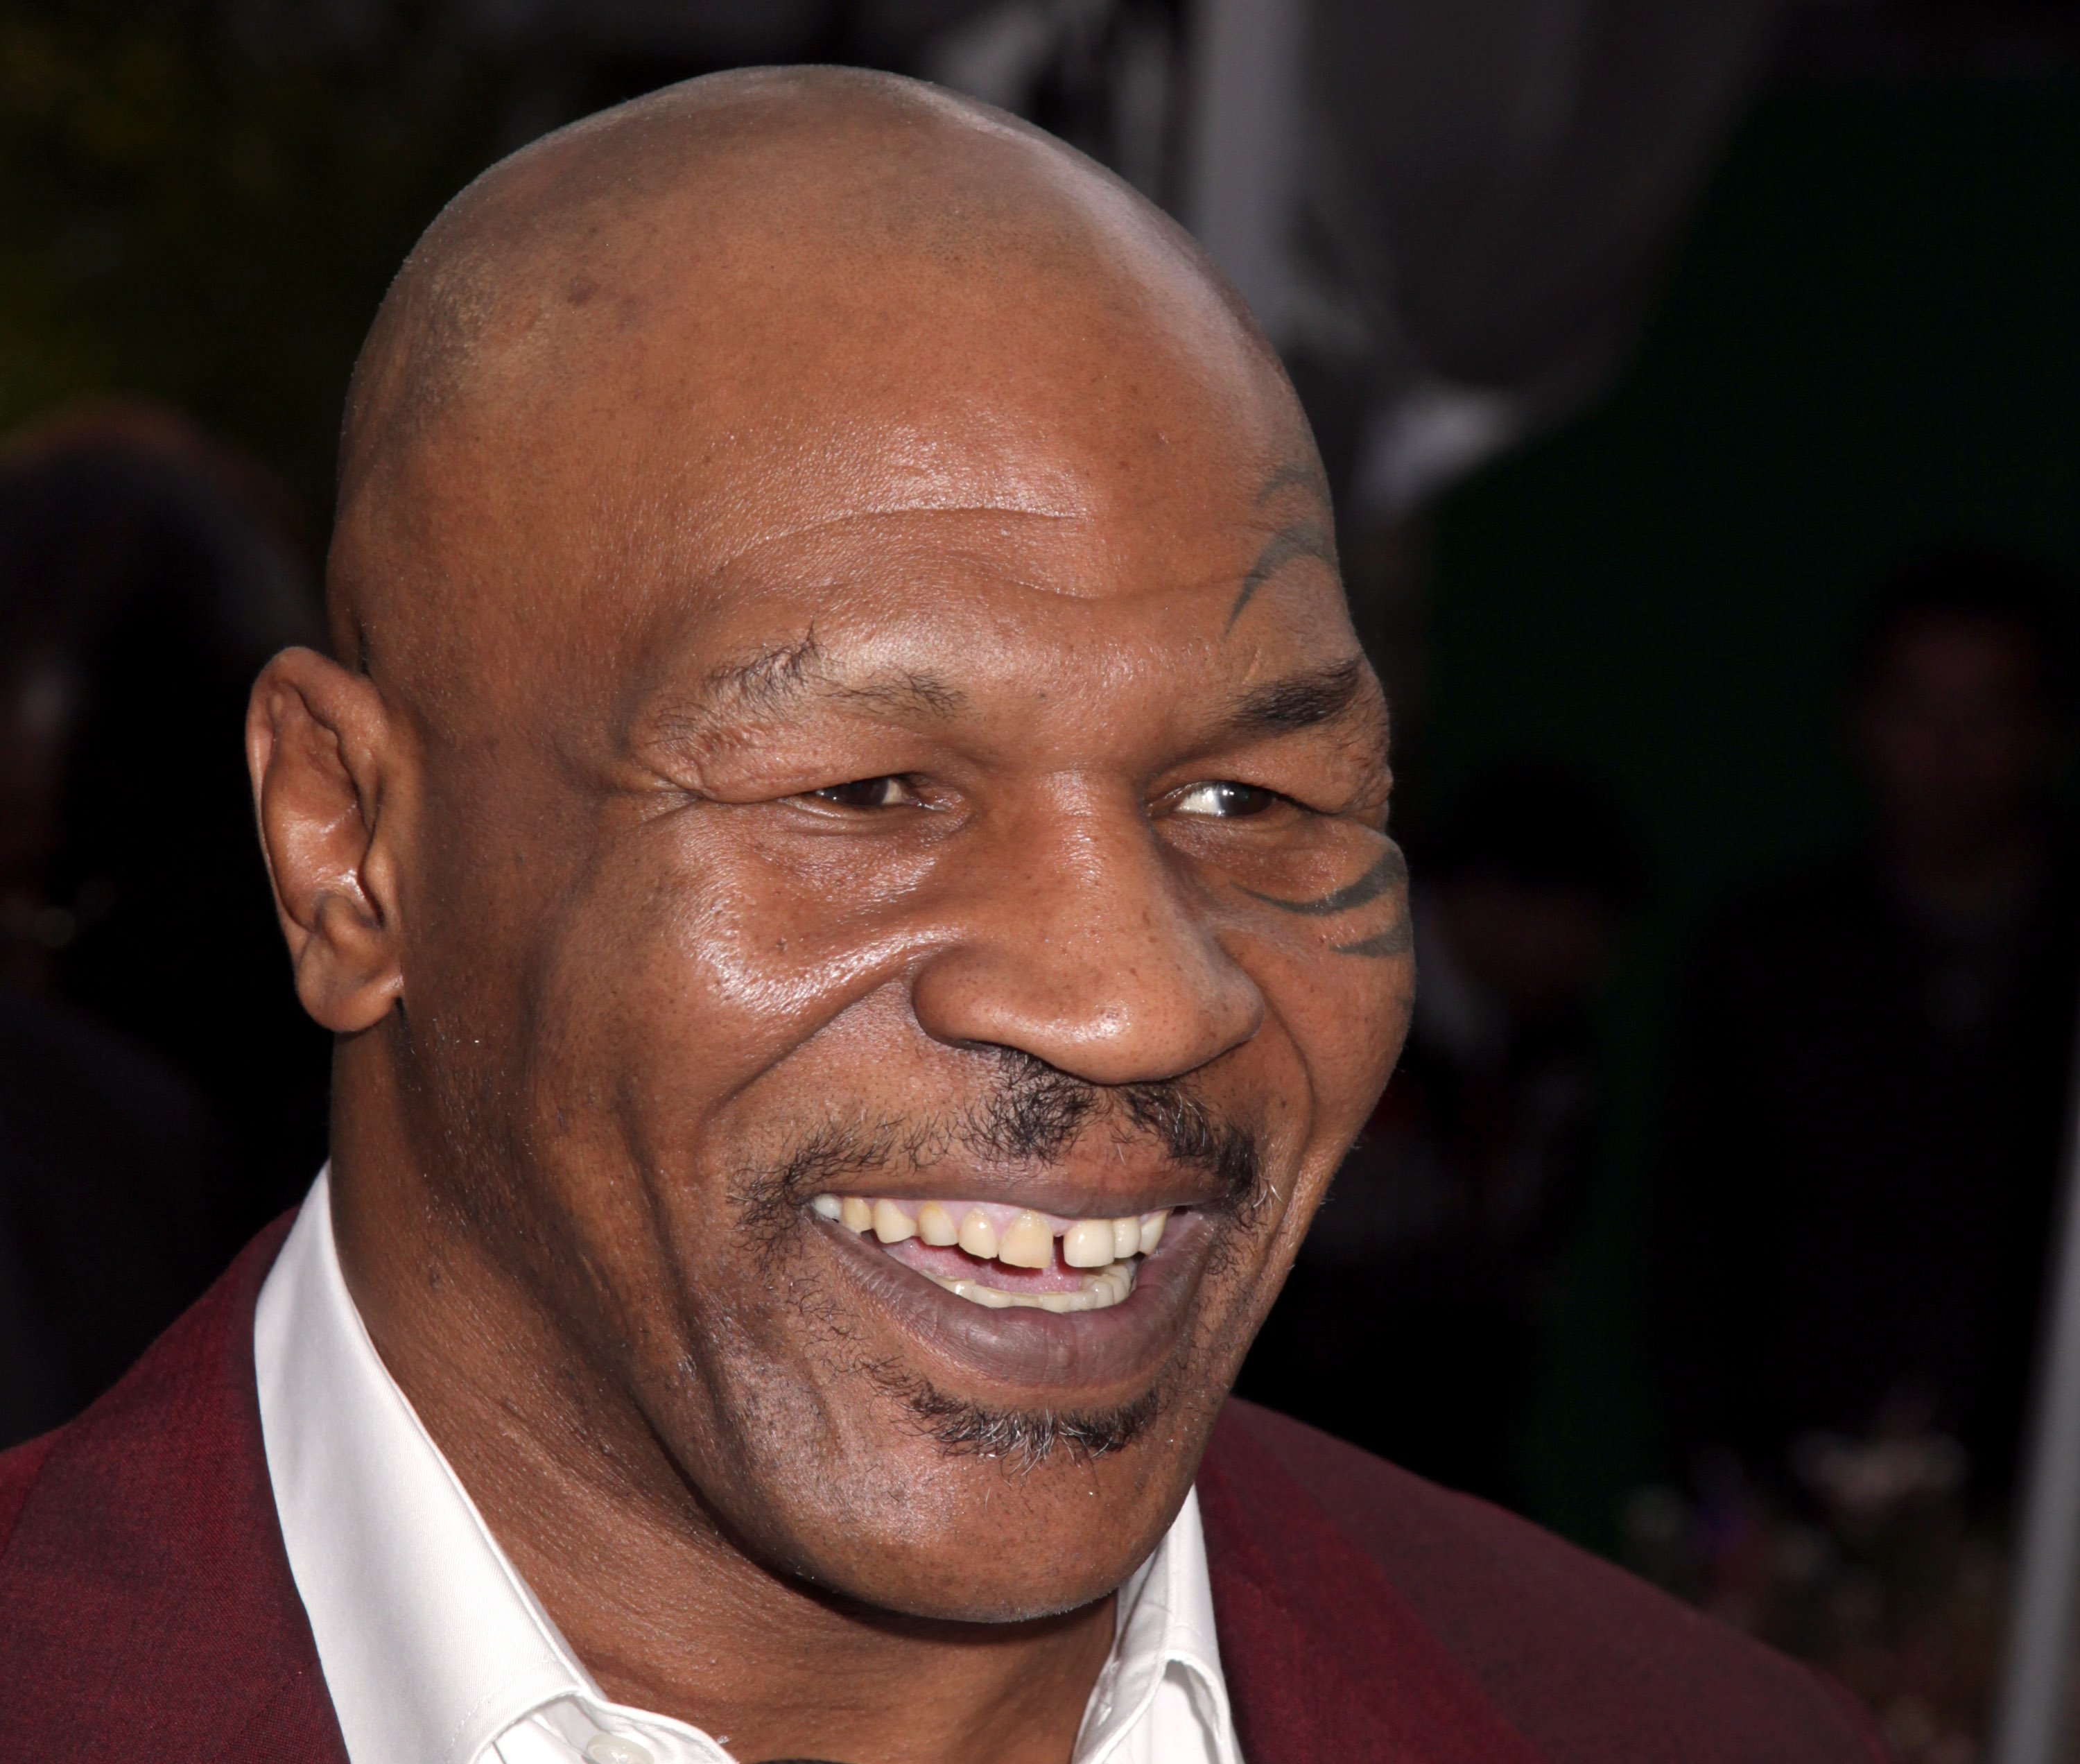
(436, 1652)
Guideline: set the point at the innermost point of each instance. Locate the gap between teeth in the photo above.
(1105, 1248)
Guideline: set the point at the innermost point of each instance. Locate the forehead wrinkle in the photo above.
(796, 530)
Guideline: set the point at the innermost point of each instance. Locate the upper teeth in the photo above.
(1019, 1236)
(996, 1233)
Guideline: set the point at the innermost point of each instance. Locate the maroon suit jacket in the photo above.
(147, 1610)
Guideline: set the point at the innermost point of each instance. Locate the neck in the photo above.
(669, 1612)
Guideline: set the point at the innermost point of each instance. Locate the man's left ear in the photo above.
(321, 746)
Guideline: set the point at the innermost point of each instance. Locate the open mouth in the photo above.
(1001, 1255)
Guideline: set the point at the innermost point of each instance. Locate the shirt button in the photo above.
(611, 1748)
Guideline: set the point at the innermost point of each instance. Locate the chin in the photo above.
(901, 1524)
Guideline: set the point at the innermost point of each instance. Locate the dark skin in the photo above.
(862, 703)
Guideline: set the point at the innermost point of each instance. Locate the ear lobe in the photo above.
(319, 743)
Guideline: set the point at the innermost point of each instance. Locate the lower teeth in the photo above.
(1102, 1288)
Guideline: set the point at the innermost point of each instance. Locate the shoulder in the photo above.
(1584, 1660)
(146, 1605)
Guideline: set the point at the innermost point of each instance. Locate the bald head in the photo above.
(626, 329)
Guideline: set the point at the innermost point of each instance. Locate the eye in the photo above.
(1223, 800)
(890, 792)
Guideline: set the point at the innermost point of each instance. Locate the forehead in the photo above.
(946, 506)
(973, 588)
(791, 436)
(1129, 408)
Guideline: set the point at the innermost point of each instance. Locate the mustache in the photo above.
(1029, 1112)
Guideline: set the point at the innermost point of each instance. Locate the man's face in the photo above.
(1953, 733)
(977, 828)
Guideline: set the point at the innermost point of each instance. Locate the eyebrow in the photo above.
(1300, 701)
(771, 683)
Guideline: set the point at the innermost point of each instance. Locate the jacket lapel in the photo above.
(1322, 1658)
(148, 1536)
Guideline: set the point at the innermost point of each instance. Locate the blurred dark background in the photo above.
(1702, 389)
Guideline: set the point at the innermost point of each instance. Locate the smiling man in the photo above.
(842, 838)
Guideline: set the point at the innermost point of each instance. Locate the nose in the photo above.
(1078, 940)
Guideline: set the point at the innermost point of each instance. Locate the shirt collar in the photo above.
(432, 1644)
(1163, 1676)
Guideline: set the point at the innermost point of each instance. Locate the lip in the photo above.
(1114, 1351)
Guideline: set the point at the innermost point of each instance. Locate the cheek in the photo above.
(699, 969)
(1346, 1017)
(1339, 1022)
(674, 1011)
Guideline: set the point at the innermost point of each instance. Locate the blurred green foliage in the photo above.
(186, 217)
